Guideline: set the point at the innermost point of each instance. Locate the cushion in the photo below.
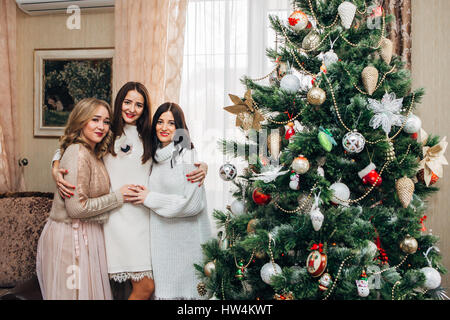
(22, 218)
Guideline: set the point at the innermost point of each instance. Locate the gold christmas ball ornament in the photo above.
(209, 268)
(316, 96)
(405, 190)
(311, 41)
(409, 245)
(370, 79)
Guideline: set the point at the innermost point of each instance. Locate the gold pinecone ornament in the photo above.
(405, 190)
(370, 79)
(387, 49)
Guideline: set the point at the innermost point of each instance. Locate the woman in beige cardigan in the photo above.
(71, 258)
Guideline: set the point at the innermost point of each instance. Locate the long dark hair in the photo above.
(142, 124)
(181, 136)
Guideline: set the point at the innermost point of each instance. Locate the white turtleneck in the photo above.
(179, 224)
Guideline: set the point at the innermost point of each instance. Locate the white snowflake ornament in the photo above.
(387, 112)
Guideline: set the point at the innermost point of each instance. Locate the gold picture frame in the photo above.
(62, 77)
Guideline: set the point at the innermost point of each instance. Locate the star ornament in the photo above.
(247, 116)
(387, 112)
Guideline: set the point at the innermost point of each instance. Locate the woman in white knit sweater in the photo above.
(179, 220)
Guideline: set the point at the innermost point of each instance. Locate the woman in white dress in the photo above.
(179, 220)
(127, 232)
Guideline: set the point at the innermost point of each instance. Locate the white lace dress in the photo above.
(127, 232)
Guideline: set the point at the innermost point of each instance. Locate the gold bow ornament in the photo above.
(433, 159)
(247, 116)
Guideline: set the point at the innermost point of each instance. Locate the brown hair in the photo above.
(142, 124)
(82, 113)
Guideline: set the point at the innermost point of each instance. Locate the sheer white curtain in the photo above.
(224, 40)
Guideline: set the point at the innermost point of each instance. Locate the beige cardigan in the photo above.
(92, 198)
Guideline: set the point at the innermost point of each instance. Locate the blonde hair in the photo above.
(82, 113)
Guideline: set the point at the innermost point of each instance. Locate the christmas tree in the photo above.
(333, 202)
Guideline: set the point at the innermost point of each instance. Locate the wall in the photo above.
(49, 32)
(430, 69)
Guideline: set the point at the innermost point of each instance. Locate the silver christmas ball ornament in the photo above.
(237, 207)
(290, 83)
(329, 58)
(432, 278)
(413, 124)
(228, 172)
(340, 192)
(353, 142)
(269, 270)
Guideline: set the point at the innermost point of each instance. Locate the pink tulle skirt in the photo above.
(71, 262)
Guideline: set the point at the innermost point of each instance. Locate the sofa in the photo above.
(22, 218)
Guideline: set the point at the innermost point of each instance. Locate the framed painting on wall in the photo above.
(64, 77)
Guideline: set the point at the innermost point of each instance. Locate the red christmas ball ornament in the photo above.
(369, 175)
(414, 135)
(420, 177)
(260, 198)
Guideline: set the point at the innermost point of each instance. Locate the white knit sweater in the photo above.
(179, 224)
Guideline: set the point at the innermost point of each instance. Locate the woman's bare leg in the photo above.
(142, 289)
